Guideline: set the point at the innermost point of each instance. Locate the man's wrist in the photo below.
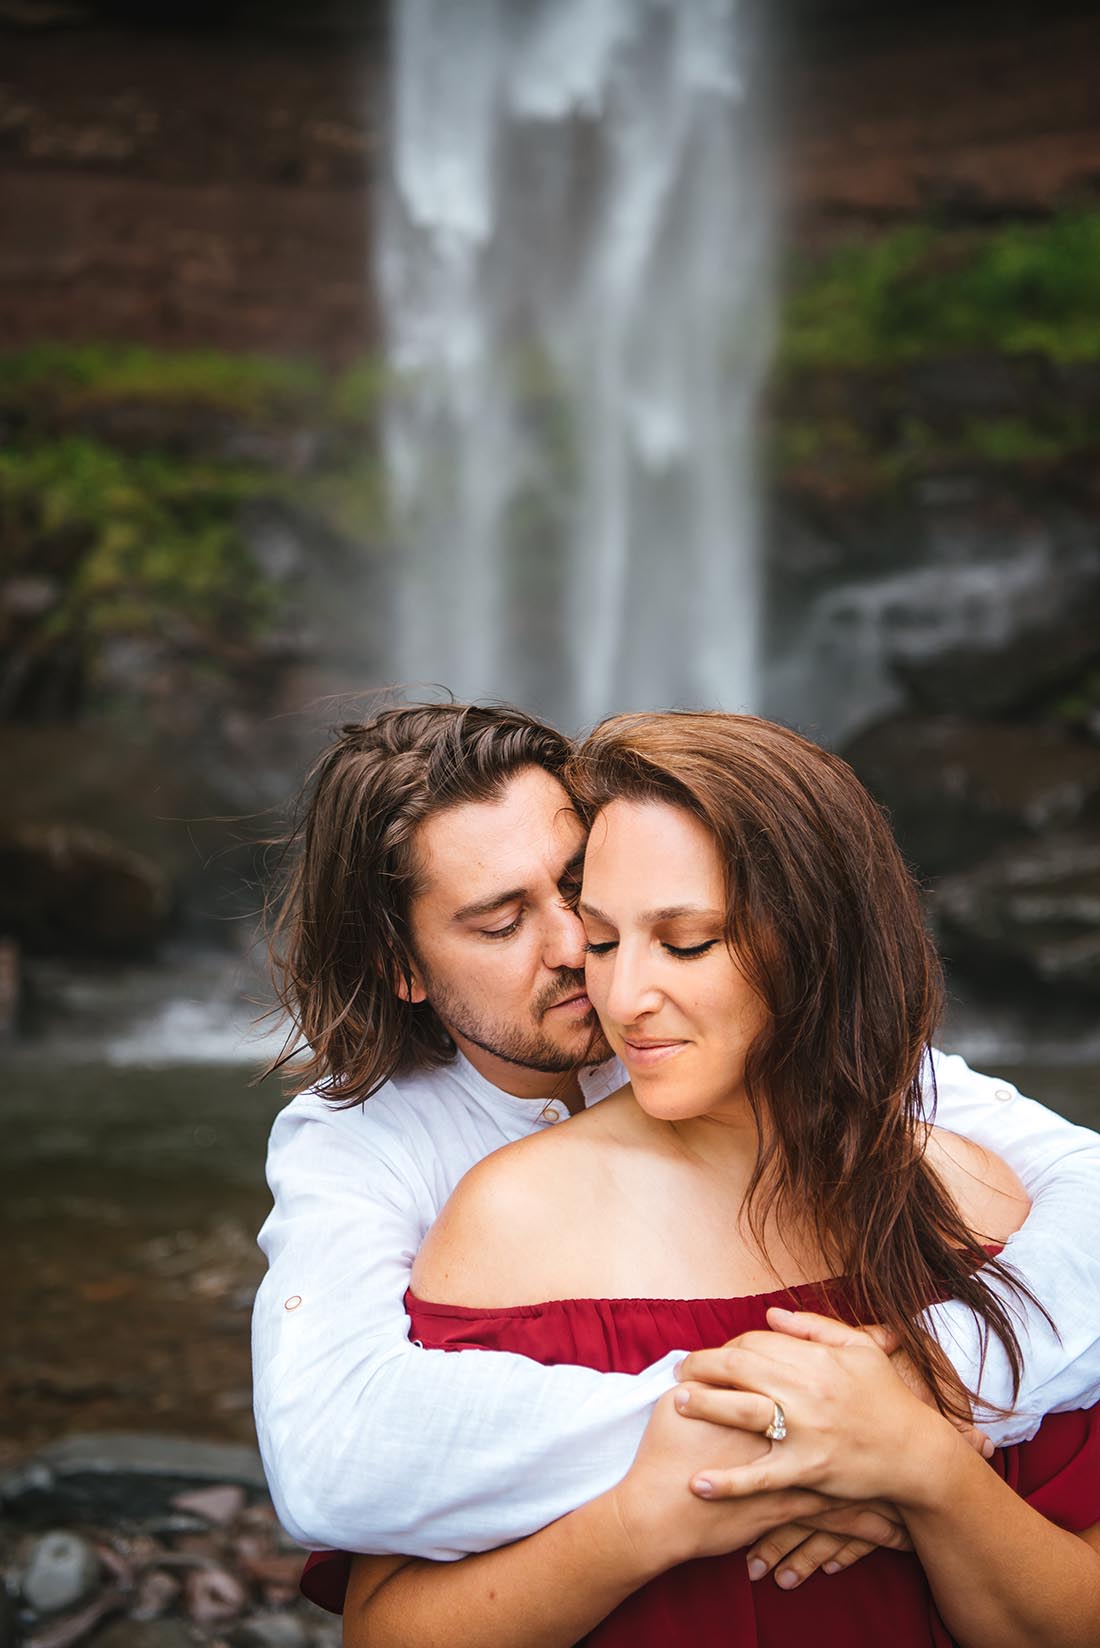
(639, 1541)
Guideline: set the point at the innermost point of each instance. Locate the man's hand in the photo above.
(907, 1373)
(830, 1540)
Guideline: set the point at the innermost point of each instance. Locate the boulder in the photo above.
(61, 1570)
(104, 1477)
(220, 1504)
(144, 1633)
(65, 890)
(958, 789)
(967, 592)
(1031, 911)
(274, 1630)
(213, 1596)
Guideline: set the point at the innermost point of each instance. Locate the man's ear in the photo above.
(410, 988)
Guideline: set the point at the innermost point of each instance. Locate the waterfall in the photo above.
(572, 253)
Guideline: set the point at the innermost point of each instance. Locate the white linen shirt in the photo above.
(371, 1443)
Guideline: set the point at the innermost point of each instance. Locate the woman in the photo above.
(757, 959)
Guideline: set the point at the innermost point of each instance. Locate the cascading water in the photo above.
(572, 251)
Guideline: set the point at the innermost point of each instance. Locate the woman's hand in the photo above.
(666, 1522)
(854, 1430)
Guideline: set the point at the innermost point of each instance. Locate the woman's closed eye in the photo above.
(684, 952)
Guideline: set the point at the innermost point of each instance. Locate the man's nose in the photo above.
(566, 942)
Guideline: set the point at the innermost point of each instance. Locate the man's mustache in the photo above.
(565, 985)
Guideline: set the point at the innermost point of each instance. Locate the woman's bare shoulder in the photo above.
(985, 1189)
(494, 1242)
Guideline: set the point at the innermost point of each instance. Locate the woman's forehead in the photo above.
(650, 848)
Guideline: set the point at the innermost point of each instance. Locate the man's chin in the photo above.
(592, 1047)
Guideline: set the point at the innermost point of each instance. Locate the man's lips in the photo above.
(578, 1002)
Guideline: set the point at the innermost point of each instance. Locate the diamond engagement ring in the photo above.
(777, 1430)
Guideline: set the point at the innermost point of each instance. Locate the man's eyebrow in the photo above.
(486, 906)
(670, 912)
(574, 865)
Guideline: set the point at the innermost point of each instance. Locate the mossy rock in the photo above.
(66, 890)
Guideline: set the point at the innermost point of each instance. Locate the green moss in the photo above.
(357, 394)
(923, 291)
(1080, 707)
(837, 452)
(136, 545)
(79, 374)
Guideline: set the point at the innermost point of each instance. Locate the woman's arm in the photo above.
(1002, 1575)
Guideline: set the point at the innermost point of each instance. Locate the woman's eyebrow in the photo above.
(669, 912)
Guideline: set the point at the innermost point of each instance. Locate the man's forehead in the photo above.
(531, 829)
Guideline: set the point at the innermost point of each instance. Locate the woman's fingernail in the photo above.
(988, 1449)
(676, 1369)
(787, 1578)
(682, 1399)
(703, 1486)
(757, 1568)
(830, 1567)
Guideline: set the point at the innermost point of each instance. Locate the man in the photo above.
(433, 966)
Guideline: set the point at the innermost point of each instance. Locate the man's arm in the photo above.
(1056, 1252)
(549, 1590)
(370, 1443)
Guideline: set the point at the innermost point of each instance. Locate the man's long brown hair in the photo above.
(825, 922)
(338, 922)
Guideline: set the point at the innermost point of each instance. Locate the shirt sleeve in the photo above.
(372, 1444)
(1056, 1252)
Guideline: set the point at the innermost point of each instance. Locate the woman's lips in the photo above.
(643, 1055)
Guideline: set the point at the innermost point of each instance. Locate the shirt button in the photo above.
(1004, 1094)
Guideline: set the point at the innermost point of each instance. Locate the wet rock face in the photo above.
(957, 789)
(1007, 817)
(966, 593)
(1032, 909)
(70, 891)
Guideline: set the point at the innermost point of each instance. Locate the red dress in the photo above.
(882, 1599)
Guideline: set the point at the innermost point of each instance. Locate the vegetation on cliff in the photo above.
(923, 291)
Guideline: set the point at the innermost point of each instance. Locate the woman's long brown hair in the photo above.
(826, 924)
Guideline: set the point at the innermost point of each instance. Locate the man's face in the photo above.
(499, 953)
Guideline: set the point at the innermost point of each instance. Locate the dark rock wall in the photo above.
(186, 190)
(190, 187)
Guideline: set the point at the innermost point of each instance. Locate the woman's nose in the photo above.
(632, 991)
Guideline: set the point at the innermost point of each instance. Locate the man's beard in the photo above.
(521, 1044)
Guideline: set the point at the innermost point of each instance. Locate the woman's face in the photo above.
(674, 1004)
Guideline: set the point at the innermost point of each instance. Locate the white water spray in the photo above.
(573, 256)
